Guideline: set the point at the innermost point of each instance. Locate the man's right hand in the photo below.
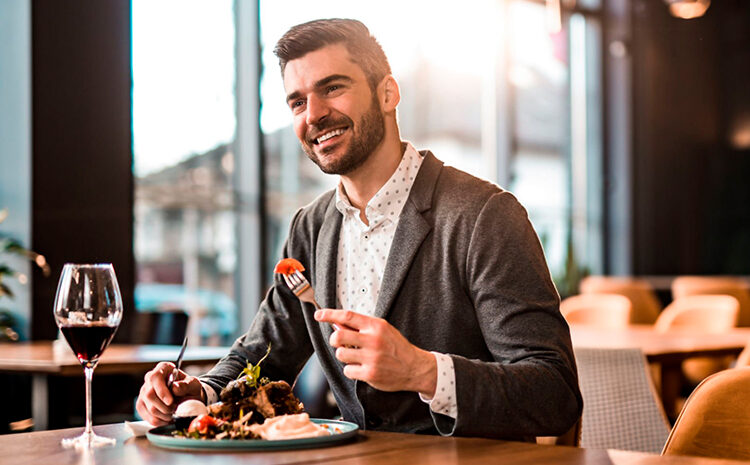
(156, 402)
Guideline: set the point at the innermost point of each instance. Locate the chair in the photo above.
(646, 305)
(714, 421)
(600, 310)
(621, 409)
(743, 360)
(698, 285)
(707, 313)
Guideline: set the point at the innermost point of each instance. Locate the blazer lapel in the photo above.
(326, 251)
(410, 233)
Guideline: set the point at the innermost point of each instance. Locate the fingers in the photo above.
(158, 380)
(343, 318)
(349, 355)
(344, 338)
(155, 401)
(151, 415)
(187, 388)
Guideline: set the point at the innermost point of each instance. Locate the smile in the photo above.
(328, 135)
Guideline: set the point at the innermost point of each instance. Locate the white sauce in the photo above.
(289, 427)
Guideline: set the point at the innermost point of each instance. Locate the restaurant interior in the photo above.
(154, 135)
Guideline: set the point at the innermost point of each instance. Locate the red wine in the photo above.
(88, 341)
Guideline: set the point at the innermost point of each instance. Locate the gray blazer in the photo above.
(465, 276)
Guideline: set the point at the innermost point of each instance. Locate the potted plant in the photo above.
(10, 246)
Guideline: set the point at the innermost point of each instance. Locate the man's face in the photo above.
(337, 117)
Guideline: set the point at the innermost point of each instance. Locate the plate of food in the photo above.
(253, 413)
(335, 432)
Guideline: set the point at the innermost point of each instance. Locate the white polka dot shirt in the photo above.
(362, 255)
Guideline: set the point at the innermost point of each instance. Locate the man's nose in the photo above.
(317, 109)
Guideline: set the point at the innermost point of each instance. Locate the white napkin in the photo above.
(138, 428)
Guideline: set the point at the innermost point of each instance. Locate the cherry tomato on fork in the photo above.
(288, 266)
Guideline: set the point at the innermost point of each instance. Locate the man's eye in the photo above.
(297, 104)
(332, 89)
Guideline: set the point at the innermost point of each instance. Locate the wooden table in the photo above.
(43, 359)
(668, 350)
(369, 448)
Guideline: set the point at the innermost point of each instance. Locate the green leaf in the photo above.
(252, 372)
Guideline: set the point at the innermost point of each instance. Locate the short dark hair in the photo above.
(364, 49)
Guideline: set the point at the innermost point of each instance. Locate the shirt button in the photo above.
(367, 236)
(363, 290)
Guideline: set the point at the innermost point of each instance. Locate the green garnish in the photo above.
(252, 372)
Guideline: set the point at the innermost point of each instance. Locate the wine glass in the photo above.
(88, 310)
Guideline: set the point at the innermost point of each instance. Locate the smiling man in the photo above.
(447, 320)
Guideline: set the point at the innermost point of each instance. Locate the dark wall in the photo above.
(691, 195)
(81, 178)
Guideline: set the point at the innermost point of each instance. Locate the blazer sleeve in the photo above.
(279, 322)
(530, 388)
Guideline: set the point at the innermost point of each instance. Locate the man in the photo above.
(451, 322)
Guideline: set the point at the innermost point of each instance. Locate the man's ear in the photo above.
(389, 94)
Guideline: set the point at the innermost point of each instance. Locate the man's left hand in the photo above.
(375, 352)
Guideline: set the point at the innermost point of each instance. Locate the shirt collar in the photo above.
(392, 195)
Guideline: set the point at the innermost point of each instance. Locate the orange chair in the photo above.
(600, 310)
(714, 421)
(646, 305)
(705, 313)
(698, 285)
(743, 360)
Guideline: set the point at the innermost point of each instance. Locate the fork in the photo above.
(177, 363)
(301, 287)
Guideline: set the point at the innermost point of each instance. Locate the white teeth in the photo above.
(328, 135)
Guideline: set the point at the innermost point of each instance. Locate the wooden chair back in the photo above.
(646, 305)
(600, 310)
(708, 313)
(699, 285)
(714, 421)
(705, 313)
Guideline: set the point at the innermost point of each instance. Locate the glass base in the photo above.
(88, 441)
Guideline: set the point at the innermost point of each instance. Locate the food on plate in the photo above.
(288, 266)
(204, 425)
(289, 427)
(187, 411)
(246, 405)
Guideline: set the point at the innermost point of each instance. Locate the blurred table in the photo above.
(42, 359)
(369, 448)
(668, 350)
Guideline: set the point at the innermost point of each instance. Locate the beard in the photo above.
(364, 141)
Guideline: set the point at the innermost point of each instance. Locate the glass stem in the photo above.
(89, 372)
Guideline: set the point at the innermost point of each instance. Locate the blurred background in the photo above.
(153, 134)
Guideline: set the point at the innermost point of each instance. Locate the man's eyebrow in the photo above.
(321, 83)
(333, 77)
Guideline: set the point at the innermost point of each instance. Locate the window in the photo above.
(183, 128)
(556, 161)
